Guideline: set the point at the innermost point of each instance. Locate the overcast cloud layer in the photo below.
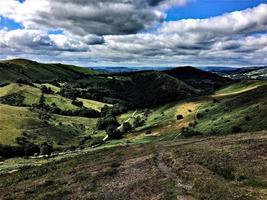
(131, 32)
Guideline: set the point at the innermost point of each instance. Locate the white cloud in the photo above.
(239, 22)
(237, 38)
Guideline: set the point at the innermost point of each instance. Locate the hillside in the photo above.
(178, 134)
(12, 70)
(214, 168)
(198, 78)
(140, 89)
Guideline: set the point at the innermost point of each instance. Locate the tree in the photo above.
(103, 123)
(46, 90)
(46, 149)
(126, 127)
(77, 103)
(113, 132)
(138, 122)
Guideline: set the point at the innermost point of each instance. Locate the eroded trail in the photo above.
(168, 172)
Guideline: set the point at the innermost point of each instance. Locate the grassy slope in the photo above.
(235, 104)
(214, 168)
(31, 94)
(15, 121)
(96, 105)
(197, 168)
(11, 70)
(163, 124)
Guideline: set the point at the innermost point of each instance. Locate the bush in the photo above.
(46, 90)
(15, 99)
(46, 149)
(179, 117)
(11, 151)
(138, 122)
(103, 123)
(24, 81)
(77, 103)
(188, 132)
(215, 101)
(116, 110)
(126, 127)
(248, 118)
(236, 129)
(200, 115)
(113, 132)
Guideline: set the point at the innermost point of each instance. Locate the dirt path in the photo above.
(168, 172)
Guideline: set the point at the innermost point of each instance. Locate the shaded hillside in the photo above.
(12, 70)
(197, 78)
(138, 89)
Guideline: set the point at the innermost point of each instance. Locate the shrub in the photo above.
(103, 123)
(215, 101)
(179, 117)
(200, 115)
(248, 118)
(15, 99)
(113, 132)
(46, 90)
(138, 122)
(46, 149)
(24, 81)
(188, 132)
(77, 103)
(236, 129)
(126, 127)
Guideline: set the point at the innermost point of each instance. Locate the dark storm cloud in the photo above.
(82, 17)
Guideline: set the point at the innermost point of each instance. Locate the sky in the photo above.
(135, 32)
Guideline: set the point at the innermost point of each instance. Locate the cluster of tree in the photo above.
(114, 130)
(25, 148)
(46, 90)
(115, 110)
(82, 112)
(25, 82)
(86, 93)
(77, 103)
(103, 123)
(15, 99)
(138, 122)
(140, 90)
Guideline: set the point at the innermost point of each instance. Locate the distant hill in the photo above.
(128, 69)
(198, 78)
(218, 69)
(259, 73)
(11, 70)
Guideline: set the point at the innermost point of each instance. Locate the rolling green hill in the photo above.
(11, 70)
(191, 134)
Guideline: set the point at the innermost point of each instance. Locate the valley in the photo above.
(181, 133)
